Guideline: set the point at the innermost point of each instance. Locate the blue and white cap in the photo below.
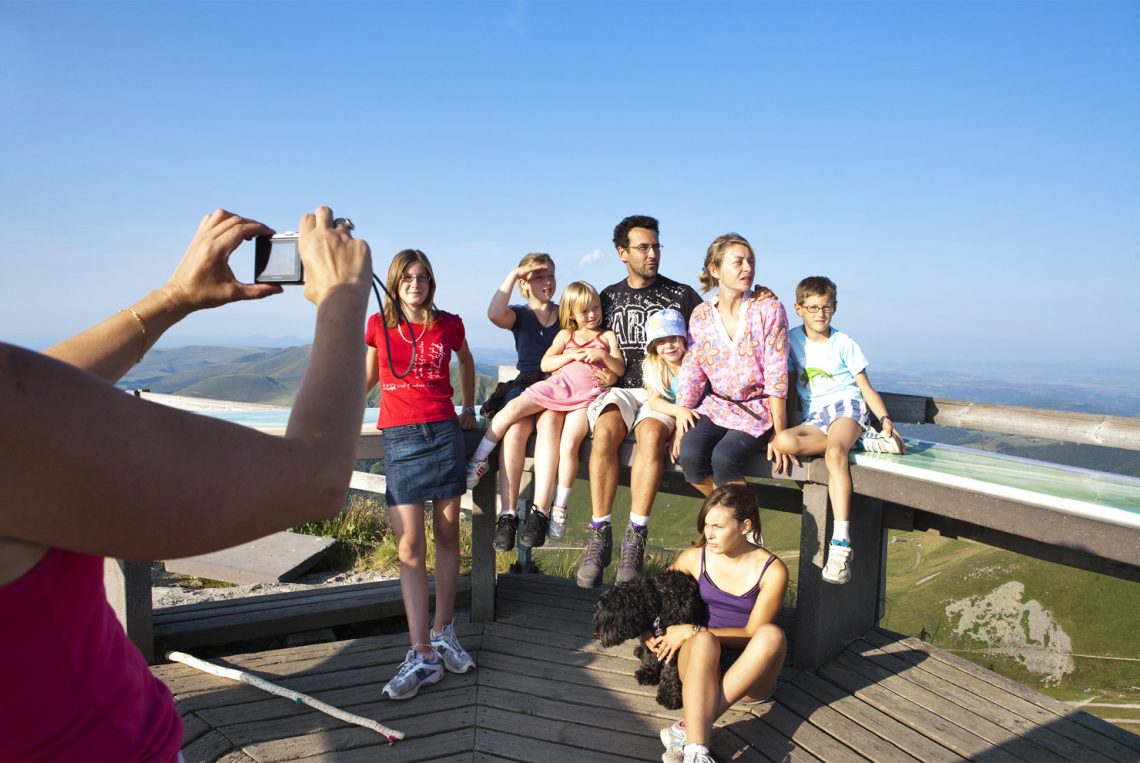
(663, 323)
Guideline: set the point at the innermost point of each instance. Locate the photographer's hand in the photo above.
(203, 278)
(332, 257)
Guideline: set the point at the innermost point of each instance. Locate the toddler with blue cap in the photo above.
(666, 346)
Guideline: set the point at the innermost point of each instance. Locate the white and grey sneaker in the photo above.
(476, 468)
(446, 645)
(674, 739)
(556, 530)
(837, 569)
(877, 442)
(416, 671)
(698, 754)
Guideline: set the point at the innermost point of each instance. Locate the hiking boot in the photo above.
(534, 533)
(837, 569)
(556, 530)
(632, 554)
(505, 528)
(476, 468)
(599, 551)
(416, 671)
(446, 645)
(673, 737)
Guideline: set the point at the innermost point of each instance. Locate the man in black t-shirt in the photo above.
(624, 408)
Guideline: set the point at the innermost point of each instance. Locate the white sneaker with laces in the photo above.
(556, 530)
(673, 737)
(837, 569)
(698, 753)
(476, 468)
(415, 672)
(877, 442)
(446, 645)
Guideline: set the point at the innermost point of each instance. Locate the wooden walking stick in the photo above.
(301, 699)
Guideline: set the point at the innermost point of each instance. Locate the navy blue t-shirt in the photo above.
(532, 339)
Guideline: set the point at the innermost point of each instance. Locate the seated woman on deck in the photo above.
(741, 652)
(131, 479)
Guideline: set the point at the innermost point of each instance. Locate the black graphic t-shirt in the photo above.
(626, 310)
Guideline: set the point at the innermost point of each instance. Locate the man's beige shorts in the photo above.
(633, 405)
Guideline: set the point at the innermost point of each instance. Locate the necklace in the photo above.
(542, 327)
(412, 331)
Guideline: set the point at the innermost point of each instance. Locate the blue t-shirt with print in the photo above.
(825, 371)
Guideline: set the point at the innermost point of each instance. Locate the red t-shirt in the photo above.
(75, 688)
(424, 395)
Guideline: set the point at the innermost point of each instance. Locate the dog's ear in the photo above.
(623, 612)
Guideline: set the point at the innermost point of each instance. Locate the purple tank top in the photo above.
(727, 610)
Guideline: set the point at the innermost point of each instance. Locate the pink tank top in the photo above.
(75, 687)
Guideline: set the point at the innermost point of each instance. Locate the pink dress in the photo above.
(574, 386)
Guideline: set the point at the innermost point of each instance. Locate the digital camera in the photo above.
(276, 259)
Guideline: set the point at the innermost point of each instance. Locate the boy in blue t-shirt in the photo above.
(835, 394)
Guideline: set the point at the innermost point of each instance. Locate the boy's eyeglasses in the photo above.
(414, 279)
(814, 309)
(643, 249)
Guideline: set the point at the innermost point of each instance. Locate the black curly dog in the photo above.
(649, 606)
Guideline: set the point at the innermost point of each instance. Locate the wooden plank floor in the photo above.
(546, 691)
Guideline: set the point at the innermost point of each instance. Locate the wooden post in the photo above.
(128, 592)
(482, 554)
(828, 616)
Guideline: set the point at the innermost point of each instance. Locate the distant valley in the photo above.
(270, 376)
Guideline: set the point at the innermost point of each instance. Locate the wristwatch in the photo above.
(469, 409)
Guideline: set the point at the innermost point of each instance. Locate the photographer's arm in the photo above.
(149, 482)
(203, 279)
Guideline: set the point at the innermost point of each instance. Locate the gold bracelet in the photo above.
(142, 328)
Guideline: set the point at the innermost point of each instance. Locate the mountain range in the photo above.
(269, 376)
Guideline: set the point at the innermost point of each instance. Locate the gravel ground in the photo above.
(169, 590)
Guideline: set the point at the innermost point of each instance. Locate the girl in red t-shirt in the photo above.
(409, 354)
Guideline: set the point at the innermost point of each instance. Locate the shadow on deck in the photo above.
(546, 691)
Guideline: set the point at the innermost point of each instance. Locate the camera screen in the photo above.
(277, 261)
(282, 259)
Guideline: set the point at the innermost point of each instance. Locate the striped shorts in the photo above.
(850, 408)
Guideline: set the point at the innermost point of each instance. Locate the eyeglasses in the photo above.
(408, 280)
(813, 309)
(644, 249)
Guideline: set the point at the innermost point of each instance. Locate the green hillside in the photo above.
(1012, 614)
(242, 388)
(244, 374)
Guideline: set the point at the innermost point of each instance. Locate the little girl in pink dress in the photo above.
(579, 349)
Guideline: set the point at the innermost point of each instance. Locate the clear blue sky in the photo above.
(968, 172)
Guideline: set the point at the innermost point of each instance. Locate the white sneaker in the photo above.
(416, 671)
(673, 737)
(476, 468)
(877, 442)
(446, 645)
(837, 569)
(699, 755)
(556, 530)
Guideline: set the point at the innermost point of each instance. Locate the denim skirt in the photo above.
(423, 462)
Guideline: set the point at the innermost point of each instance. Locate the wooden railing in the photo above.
(828, 617)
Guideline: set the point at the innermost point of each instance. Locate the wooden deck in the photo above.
(546, 691)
